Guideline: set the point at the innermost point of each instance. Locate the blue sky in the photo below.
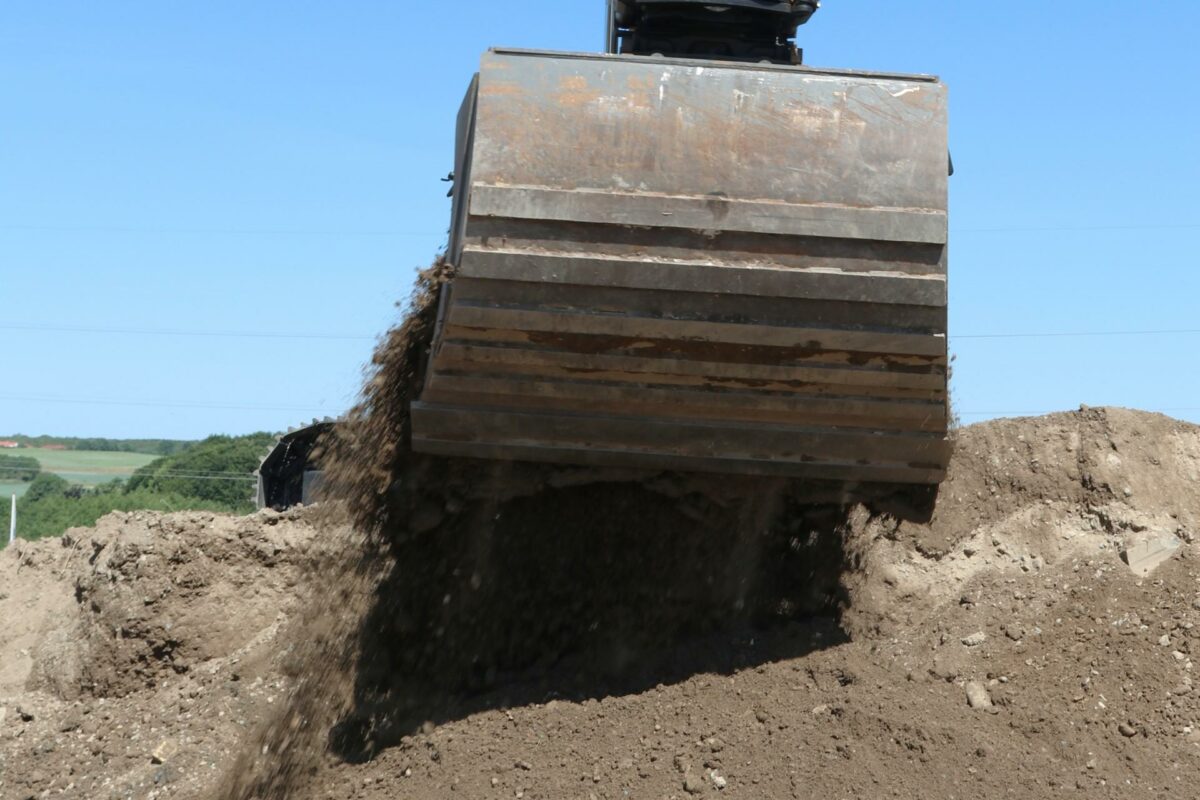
(235, 168)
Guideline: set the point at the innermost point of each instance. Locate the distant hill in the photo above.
(216, 474)
(219, 469)
(153, 447)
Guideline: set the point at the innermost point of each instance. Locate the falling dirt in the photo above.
(488, 630)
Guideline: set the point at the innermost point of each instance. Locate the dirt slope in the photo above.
(149, 634)
(1014, 597)
(635, 640)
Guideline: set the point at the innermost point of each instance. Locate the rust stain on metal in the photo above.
(575, 92)
(500, 89)
(578, 343)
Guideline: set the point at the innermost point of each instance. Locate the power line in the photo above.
(178, 475)
(184, 332)
(83, 470)
(1077, 334)
(1080, 228)
(1169, 410)
(386, 233)
(166, 404)
(309, 409)
(216, 231)
(52, 328)
(231, 476)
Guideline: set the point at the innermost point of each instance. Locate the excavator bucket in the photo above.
(695, 266)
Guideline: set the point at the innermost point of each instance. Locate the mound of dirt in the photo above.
(519, 632)
(1147, 463)
(665, 638)
(136, 654)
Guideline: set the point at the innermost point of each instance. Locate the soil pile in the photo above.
(135, 656)
(634, 639)
(518, 632)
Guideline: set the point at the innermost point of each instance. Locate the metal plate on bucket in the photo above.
(696, 266)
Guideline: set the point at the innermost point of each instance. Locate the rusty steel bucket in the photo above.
(698, 266)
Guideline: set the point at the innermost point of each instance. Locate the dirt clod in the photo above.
(978, 696)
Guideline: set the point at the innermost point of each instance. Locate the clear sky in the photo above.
(228, 167)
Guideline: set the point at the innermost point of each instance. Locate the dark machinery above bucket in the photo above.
(733, 30)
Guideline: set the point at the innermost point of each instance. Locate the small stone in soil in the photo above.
(977, 695)
(975, 639)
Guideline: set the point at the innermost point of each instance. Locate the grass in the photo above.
(94, 461)
(7, 490)
(87, 467)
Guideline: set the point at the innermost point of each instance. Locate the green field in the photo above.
(87, 467)
(7, 490)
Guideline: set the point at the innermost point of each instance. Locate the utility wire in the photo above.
(1076, 334)
(83, 470)
(49, 328)
(166, 404)
(183, 332)
(248, 479)
(1170, 410)
(423, 234)
(216, 231)
(182, 476)
(150, 404)
(1080, 228)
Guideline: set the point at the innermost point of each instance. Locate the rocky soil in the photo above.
(1033, 638)
(135, 656)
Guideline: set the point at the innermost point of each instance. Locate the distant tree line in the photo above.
(216, 474)
(153, 447)
(208, 470)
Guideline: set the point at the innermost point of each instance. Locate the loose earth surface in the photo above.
(564, 638)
